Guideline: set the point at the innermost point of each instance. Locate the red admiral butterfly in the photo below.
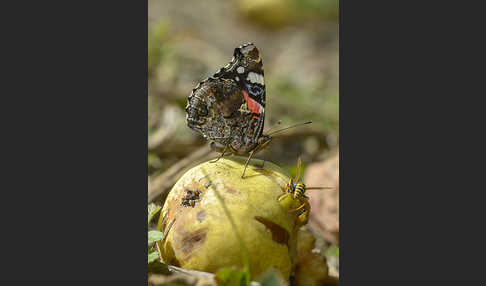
(229, 107)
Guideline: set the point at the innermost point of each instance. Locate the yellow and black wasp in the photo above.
(295, 196)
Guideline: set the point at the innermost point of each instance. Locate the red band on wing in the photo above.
(254, 106)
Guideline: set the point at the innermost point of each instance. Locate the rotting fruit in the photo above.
(310, 268)
(199, 233)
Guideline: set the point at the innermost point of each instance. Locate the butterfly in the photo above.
(228, 108)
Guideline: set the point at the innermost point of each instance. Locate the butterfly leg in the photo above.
(222, 154)
(264, 155)
(248, 161)
(266, 152)
(262, 146)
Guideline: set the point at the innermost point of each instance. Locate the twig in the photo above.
(161, 185)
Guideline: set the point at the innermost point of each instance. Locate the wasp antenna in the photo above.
(296, 125)
(299, 165)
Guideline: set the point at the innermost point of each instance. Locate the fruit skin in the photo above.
(311, 268)
(199, 234)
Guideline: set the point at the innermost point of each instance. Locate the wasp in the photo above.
(294, 195)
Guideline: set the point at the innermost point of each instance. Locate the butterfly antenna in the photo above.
(278, 124)
(280, 130)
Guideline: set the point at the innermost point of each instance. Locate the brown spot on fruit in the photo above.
(279, 234)
(201, 215)
(215, 247)
(193, 240)
(191, 198)
(228, 189)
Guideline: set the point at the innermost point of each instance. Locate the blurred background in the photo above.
(189, 41)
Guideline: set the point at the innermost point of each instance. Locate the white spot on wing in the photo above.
(240, 69)
(237, 78)
(255, 78)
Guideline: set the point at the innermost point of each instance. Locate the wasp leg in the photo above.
(301, 206)
(279, 198)
(302, 219)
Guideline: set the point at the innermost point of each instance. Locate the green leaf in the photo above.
(152, 256)
(152, 210)
(232, 277)
(333, 250)
(271, 278)
(154, 236)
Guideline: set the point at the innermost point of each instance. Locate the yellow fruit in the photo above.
(269, 13)
(311, 269)
(199, 233)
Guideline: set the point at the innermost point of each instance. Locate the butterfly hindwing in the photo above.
(229, 107)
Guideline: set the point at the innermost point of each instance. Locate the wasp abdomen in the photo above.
(299, 190)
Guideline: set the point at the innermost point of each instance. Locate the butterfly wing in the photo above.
(246, 68)
(229, 107)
